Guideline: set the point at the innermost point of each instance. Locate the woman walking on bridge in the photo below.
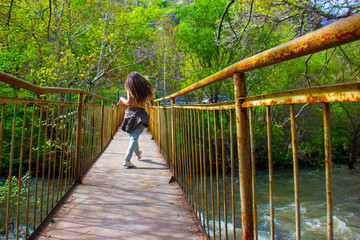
(139, 91)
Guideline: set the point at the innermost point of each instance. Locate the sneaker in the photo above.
(128, 164)
(139, 156)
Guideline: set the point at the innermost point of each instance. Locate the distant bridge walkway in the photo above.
(118, 203)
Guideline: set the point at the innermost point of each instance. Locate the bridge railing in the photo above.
(45, 148)
(199, 141)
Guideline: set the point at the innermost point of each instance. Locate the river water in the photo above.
(346, 205)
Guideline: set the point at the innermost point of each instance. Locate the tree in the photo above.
(196, 36)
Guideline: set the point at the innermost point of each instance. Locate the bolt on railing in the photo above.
(45, 148)
(188, 136)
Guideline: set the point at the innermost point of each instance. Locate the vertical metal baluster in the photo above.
(200, 173)
(86, 135)
(7, 218)
(252, 147)
(43, 164)
(296, 171)
(50, 155)
(327, 139)
(92, 132)
(87, 128)
(20, 173)
(191, 157)
(205, 182)
(79, 140)
(177, 140)
(102, 124)
(1, 138)
(167, 134)
(1, 131)
(179, 145)
(185, 162)
(223, 172)
(217, 172)
(69, 146)
(108, 126)
(193, 185)
(58, 142)
(232, 174)
(271, 173)
(37, 165)
(66, 163)
(29, 172)
(97, 118)
(185, 176)
(182, 147)
(62, 129)
(173, 142)
(179, 167)
(106, 123)
(95, 127)
(211, 175)
(196, 174)
(83, 148)
(158, 125)
(243, 145)
(92, 136)
(72, 154)
(96, 136)
(98, 129)
(188, 172)
(111, 120)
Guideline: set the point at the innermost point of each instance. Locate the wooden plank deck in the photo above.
(118, 203)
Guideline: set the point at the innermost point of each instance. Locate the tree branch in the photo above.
(222, 18)
(9, 14)
(288, 119)
(48, 28)
(326, 63)
(306, 70)
(232, 29)
(134, 63)
(247, 24)
(342, 50)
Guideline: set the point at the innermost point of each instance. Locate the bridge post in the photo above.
(327, 140)
(173, 148)
(78, 143)
(243, 144)
(158, 124)
(102, 124)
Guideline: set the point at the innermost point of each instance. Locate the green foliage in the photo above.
(94, 44)
(15, 185)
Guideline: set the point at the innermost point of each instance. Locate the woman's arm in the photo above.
(124, 100)
(151, 100)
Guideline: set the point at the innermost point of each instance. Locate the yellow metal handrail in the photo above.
(38, 90)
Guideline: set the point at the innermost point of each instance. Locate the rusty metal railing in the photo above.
(45, 148)
(193, 137)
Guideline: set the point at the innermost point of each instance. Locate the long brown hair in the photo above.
(139, 87)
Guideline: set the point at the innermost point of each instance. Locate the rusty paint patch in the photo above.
(316, 98)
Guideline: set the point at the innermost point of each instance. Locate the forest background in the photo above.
(94, 44)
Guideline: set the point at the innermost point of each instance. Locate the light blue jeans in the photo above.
(134, 145)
